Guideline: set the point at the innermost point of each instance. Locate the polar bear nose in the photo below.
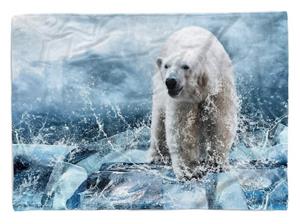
(171, 83)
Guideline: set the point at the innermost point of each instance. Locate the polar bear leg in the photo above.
(225, 132)
(220, 141)
(159, 153)
(217, 156)
(182, 146)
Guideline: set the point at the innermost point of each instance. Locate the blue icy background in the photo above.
(81, 106)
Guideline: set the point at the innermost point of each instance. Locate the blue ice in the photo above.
(117, 177)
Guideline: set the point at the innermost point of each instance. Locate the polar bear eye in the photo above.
(185, 67)
(166, 66)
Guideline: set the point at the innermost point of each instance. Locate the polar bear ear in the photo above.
(159, 62)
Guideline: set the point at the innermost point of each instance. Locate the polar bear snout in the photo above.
(173, 86)
(171, 83)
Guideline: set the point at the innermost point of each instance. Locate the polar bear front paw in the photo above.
(159, 159)
(184, 173)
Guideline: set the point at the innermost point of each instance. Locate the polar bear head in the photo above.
(188, 76)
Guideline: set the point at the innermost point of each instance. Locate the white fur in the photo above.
(194, 130)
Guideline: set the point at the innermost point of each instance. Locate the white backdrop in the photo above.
(14, 7)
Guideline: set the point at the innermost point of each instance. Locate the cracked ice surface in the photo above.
(115, 177)
(81, 105)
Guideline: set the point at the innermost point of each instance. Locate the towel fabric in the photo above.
(81, 108)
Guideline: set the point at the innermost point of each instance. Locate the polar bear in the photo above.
(194, 112)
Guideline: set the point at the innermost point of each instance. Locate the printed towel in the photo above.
(150, 111)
